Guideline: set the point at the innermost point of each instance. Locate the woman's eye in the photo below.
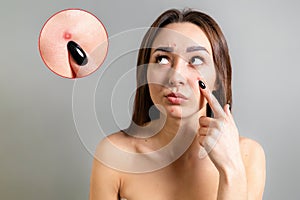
(162, 60)
(196, 60)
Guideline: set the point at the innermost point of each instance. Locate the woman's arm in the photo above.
(105, 182)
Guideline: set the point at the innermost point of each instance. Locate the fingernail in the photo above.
(201, 84)
(77, 53)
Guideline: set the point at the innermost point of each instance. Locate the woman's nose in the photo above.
(176, 74)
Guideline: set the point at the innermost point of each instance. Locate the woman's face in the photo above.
(180, 56)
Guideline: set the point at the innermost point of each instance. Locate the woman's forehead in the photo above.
(181, 37)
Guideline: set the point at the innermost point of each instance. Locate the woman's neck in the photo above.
(169, 127)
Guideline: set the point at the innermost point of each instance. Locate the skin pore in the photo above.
(233, 166)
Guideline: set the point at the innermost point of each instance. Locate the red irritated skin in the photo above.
(67, 35)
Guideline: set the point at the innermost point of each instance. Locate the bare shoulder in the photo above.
(106, 178)
(114, 148)
(122, 140)
(110, 145)
(251, 151)
(255, 165)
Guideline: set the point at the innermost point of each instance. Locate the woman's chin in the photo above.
(178, 113)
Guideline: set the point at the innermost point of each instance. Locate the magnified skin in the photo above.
(80, 27)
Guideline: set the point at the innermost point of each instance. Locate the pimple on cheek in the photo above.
(67, 35)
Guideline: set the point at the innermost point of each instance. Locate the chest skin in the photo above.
(187, 178)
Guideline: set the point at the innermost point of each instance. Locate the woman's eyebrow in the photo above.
(164, 49)
(196, 48)
(188, 49)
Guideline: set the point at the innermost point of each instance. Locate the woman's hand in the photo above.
(220, 139)
(219, 136)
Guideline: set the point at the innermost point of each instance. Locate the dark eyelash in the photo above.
(159, 57)
(201, 58)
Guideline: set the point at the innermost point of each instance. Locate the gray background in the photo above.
(44, 156)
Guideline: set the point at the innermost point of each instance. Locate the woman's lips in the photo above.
(176, 98)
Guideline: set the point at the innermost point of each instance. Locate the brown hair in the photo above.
(143, 101)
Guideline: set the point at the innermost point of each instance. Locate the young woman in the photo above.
(188, 147)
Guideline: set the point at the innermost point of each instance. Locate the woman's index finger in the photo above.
(211, 99)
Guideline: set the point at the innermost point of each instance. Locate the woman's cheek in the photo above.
(157, 74)
(208, 73)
